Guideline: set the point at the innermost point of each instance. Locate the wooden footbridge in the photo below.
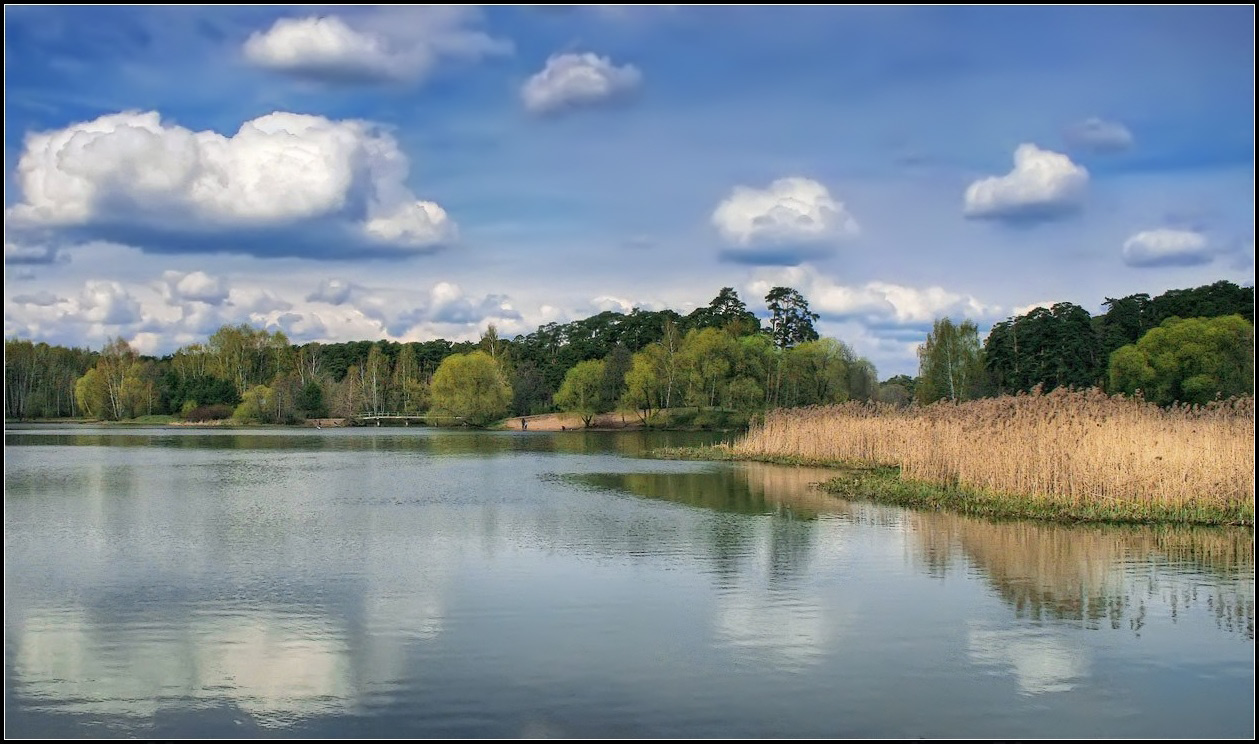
(405, 418)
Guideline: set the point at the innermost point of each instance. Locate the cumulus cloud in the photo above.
(448, 306)
(196, 286)
(615, 304)
(1043, 185)
(331, 291)
(573, 80)
(301, 326)
(148, 343)
(874, 303)
(1098, 135)
(386, 45)
(1167, 247)
(793, 219)
(257, 301)
(283, 184)
(107, 303)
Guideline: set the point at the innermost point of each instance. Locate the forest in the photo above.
(1183, 346)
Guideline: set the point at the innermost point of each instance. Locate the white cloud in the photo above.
(331, 291)
(790, 213)
(301, 326)
(1167, 247)
(412, 223)
(1099, 135)
(147, 343)
(107, 303)
(278, 171)
(258, 301)
(449, 304)
(882, 303)
(196, 286)
(572, 80)
(615, 304)
(389, 44)
(1025, 309)
(1043, 184)
(448, 312)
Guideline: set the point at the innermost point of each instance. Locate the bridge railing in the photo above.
(396, 414)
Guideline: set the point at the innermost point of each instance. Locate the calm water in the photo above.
(418, 583)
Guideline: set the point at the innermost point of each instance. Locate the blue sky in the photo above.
(410, 173)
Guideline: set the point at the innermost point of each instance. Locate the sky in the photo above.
(352, 173)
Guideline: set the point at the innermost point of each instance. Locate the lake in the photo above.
(410, 582)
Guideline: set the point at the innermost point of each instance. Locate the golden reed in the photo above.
(1082, 447)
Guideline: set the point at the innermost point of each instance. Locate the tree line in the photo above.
(1187, 345)
(1183, 346)
(717, 357)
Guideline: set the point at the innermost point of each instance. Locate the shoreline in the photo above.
(512, 424)
(883, 484)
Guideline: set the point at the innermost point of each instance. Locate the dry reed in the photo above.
(1085, 449)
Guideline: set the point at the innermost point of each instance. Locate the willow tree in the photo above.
(1194, 360)
(582, 391)
(644, 383)
(471, 387)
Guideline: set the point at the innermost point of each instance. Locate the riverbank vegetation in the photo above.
(1066, 455)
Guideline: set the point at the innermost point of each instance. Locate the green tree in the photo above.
(408, 392)
(818, 372)
(1050, 347)
(705, 362)
(471, 387)
(668, 361)
(582, 390)
(310, 400)
(255, 406)
(91, 395)
(644, 386)
(863, 380)
(726, 312)
(790, 321)
(1194, 360)
(493, 345)
(895, 393)
(376, 379)
(529, 392)
(615, 366)
(248, 356)
(744, 394)
(950, 362)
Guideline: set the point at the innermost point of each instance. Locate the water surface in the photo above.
(421, 583)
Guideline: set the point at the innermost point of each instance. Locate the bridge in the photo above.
(405, 418)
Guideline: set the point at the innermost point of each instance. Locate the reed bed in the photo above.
(1084, 452)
